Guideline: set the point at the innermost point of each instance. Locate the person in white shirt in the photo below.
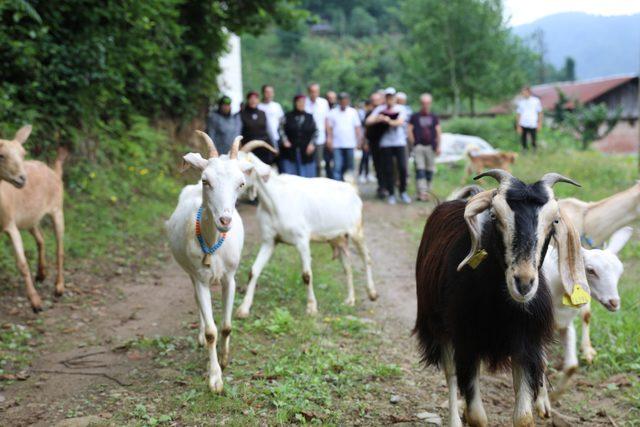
(344, 134)
(274, 113)
(528, 117)
(393, 145)
(318, 107)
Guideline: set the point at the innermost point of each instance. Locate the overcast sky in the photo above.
(525, 11)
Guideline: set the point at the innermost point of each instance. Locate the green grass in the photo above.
(287, 367)
(114, 213)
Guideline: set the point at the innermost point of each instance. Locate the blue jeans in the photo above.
(307, 170)
(342, 162)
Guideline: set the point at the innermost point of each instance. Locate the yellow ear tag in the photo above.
(477, 258)
(578, 297)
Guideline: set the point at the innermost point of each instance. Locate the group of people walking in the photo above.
(319, 136)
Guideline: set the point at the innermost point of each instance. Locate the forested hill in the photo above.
(460, 50)
(600, 45)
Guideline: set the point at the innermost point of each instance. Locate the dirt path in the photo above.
(81, 349)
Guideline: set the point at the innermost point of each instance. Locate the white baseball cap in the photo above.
(390, 91)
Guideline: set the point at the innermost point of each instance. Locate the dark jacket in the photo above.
(254, 126)
(300, 130)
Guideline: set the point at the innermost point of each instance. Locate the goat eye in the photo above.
(556, 221)
(492, 215)
(206, 183)
(592, 272)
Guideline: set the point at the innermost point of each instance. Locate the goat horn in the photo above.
(233, 152)
(551, 178)
(256, 143)
(502, 176)
(213, 153)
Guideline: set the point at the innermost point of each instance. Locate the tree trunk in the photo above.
(472, 104)
(453, 75)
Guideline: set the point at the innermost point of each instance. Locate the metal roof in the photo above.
(584, 91)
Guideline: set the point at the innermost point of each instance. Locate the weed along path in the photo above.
(122, 350)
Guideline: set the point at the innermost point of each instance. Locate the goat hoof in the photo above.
(525, 420)
(543, 408)
(373, 295)
(215, 385)
(242, 313)
(589, 354)
(58, 293)
(41, 276)
(312, 309)
(350, 302)
(36, 303)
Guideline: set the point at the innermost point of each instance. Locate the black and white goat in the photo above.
(481, 297)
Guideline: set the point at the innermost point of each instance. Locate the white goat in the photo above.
(214, 198)
(603, 268)
(596, 222)
(296, 211)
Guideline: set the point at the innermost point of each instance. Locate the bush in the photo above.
(500, 133)
(69, 65)
(497, 131)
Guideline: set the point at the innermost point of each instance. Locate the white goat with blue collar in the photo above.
(209, 249)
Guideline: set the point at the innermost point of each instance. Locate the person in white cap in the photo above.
(393, 145)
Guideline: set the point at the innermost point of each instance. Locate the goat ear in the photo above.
(22, 134)
(570, 262)
(196, 160)
(246, 167)
(619, 239)
(475, 206)
(262, 169)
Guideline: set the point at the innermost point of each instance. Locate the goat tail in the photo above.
(63, 153)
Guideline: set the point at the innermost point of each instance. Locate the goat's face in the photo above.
(223, 179)
(12, 158)
(525, 217)
(604, 269)
(222, 183)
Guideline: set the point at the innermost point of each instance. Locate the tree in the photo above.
(461, 49)
(592, 122)
(569, 70)
(69, 65)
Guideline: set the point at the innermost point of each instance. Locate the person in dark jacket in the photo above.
(298, 134)
(223, 126)
(254, 126)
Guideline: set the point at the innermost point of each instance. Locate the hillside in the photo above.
(601, 45)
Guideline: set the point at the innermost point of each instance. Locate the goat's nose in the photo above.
(225, 220)
(523, 285)
(614, 303)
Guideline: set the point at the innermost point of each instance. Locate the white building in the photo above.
(230, 77)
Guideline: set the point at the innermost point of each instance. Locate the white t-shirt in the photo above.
(394, 136)
(343, 124)
(274, 113)
(528, 108)
(319, 110)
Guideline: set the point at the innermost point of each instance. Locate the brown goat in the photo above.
(31, 190)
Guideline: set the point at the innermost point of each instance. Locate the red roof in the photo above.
(584, 91)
